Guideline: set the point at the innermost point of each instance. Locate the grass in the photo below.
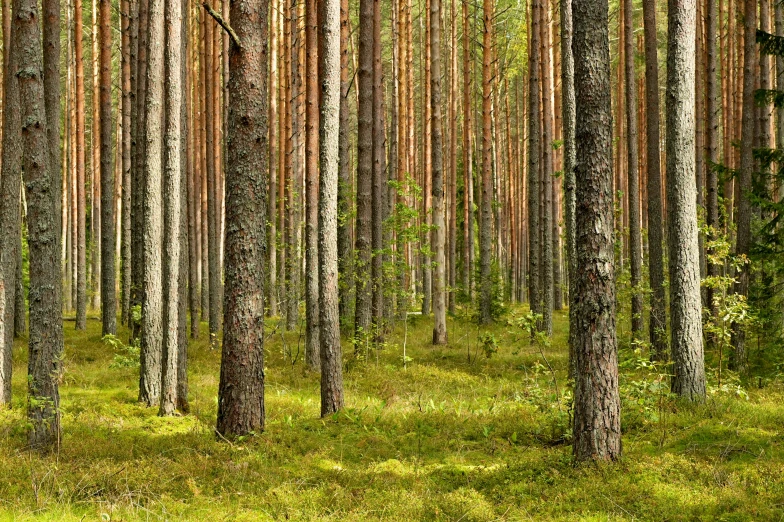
(441, 439)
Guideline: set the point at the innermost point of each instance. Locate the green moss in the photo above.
(443, 439)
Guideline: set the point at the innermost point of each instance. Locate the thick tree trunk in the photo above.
(172, 204)
(364, 288)
(485, 230)
(241, 392)
(46, 334)
(312, 357)
(51, 64)
(685, 302)
(739, 361)
(108, 291)
(597, 415)
(658, 319)
(329, 131)
(439, 224)
(633, 159)
(152, 306)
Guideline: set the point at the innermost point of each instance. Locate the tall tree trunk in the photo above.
(570, 160)
(312, 358)
(185, 166)
(597, 415)
(439, 225)
(547, 175)
(685, 303)
(364, 173)
(712, 137)
(10, 189)
(95, 138)
(485, 231)
(295, 177)
(108, 291)
(345, 248)
(51, 79)
(152, 306)
(213, 210)
(81, 229)
(468, 172)
(534, 147)
(46, 334)
(172, 204)
(452, 115)
(658, 319)
(241, 392)
(379, 188)
(739, 361)
(125, 16)
(633, 171)
(271, 290)
(329, 73)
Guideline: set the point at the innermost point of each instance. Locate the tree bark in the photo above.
(685, 302)
(547, 177)
(379, 187)
(108, 292)
(658, 318)
(152, 306)
(81, 229)
(597, 419)
(46, 334)
(439, 224)
(127, 102)
(534, 146)
(329, 131)
(172, 191)
(345, 247)
(468, 172)
(485, 231)
(241, 392)
(711, 138)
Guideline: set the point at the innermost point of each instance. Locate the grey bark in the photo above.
(597, 419)
(108, 292)
(241, 391)
(312, 357)
(152, 305)
(685, 301)
(547, 177)
(486, 224)
(330, 131)
(534, 137)
(439, 221)
(713, 103)
(345, 248)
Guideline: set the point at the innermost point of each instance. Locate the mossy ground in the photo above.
(442, 439)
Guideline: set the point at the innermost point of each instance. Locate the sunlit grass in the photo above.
(452, 435)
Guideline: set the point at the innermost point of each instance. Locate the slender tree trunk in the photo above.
(534, 147)
(185, 166)
(51, 79)
(452, 115)
(658, 319)
(127, 102)
(570, 160)
(108, 291)
(295, 177)
(685, 303)
(345, 247)
(271, 290)
(95, 135)
(379, 187)
(712, 138)
(81, 229)
(241, 392)
(468, 173)
(214, 271)
(46, 334)
(312, 357)
(485, 231)
(10, 189)
(597, 416)
(364, 173)
(739, 361)
(439, 225)
(152, 305)
(633, 171)
(172, 191)
(547, 176)
(329, 73)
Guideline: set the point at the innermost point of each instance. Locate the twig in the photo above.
(223, 23)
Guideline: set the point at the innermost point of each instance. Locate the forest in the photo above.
(439, 260)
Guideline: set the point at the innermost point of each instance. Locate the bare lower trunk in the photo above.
(439, 225)
(108, 291)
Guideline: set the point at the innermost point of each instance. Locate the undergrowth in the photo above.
(475, 431)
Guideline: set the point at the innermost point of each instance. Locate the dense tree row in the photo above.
(370, 159)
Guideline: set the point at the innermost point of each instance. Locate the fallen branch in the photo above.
(223, 23)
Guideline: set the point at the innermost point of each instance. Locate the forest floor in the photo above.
(452, 435)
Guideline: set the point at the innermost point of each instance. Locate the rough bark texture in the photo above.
(685, 301)
(345, 247)
(658, 318)
(51, 62)
(241, 392)
(739, 359)
(46, 334)
(172, 204)
(468, 160)
(312, 357)
(534, 137)
(185, 264)
(379, 188)
(547, 176)
(329, 130)
(597, 416)
(81, 229)
(712, 135)
(11, 180)
(569, 161)
(214, 271)
(127, 102)
(633, 159)
(437, 151)
(152, 329)
(108, 292)
(364, 288)
(486, 228)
